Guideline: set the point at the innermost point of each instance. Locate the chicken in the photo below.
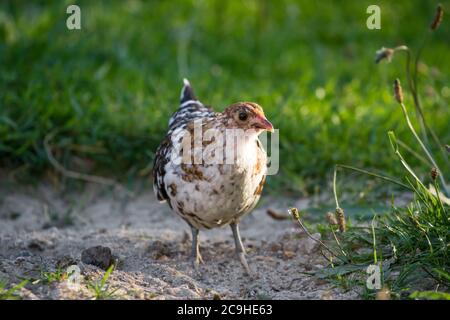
(211, 167)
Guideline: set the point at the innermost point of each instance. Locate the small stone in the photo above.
(185, 238)
(25, 253)
(159, 250)
(19, 260)
(326, 295)
(308, 266)
(182, 291)
(14, 215)
(37, 245)
(98, 256)
(318, 266)
(291, 245)
(287, 254)
(275, 247)
(65, 261)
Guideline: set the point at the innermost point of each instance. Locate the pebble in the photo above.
(65, 261)
(98, 256)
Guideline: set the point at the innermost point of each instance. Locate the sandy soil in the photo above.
(42, 228)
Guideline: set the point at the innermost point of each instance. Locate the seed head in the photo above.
(437, 18)
(398, 92)
(294, 212)
(340, 215)
(384, 53)
(434, 173)
(331, 218)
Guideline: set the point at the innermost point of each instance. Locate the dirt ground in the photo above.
(42, 228)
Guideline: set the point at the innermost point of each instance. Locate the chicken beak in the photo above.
(265, 124)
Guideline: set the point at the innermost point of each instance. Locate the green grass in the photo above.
(10, 293)
(410, 244)
(49, 277)
(101, 289)
(105, 93)
(108, 90)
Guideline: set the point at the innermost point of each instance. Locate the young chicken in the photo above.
(211, 167)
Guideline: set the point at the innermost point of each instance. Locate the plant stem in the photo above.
(343, 166)
(424, 148)
(334, 186)
(419, 113)
(299, 221)
(412, 83)
(338, 242)
(414, 153)
(436, 188)
(375, 259)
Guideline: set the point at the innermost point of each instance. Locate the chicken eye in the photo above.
(243, 116)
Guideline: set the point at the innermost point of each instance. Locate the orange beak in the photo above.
(263, 123)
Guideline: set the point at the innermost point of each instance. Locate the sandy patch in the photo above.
(41, 228)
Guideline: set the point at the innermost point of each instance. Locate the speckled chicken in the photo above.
(210, 168)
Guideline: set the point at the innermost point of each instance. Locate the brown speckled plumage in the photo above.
(210, 194)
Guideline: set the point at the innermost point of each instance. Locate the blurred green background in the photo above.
(109, 89)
